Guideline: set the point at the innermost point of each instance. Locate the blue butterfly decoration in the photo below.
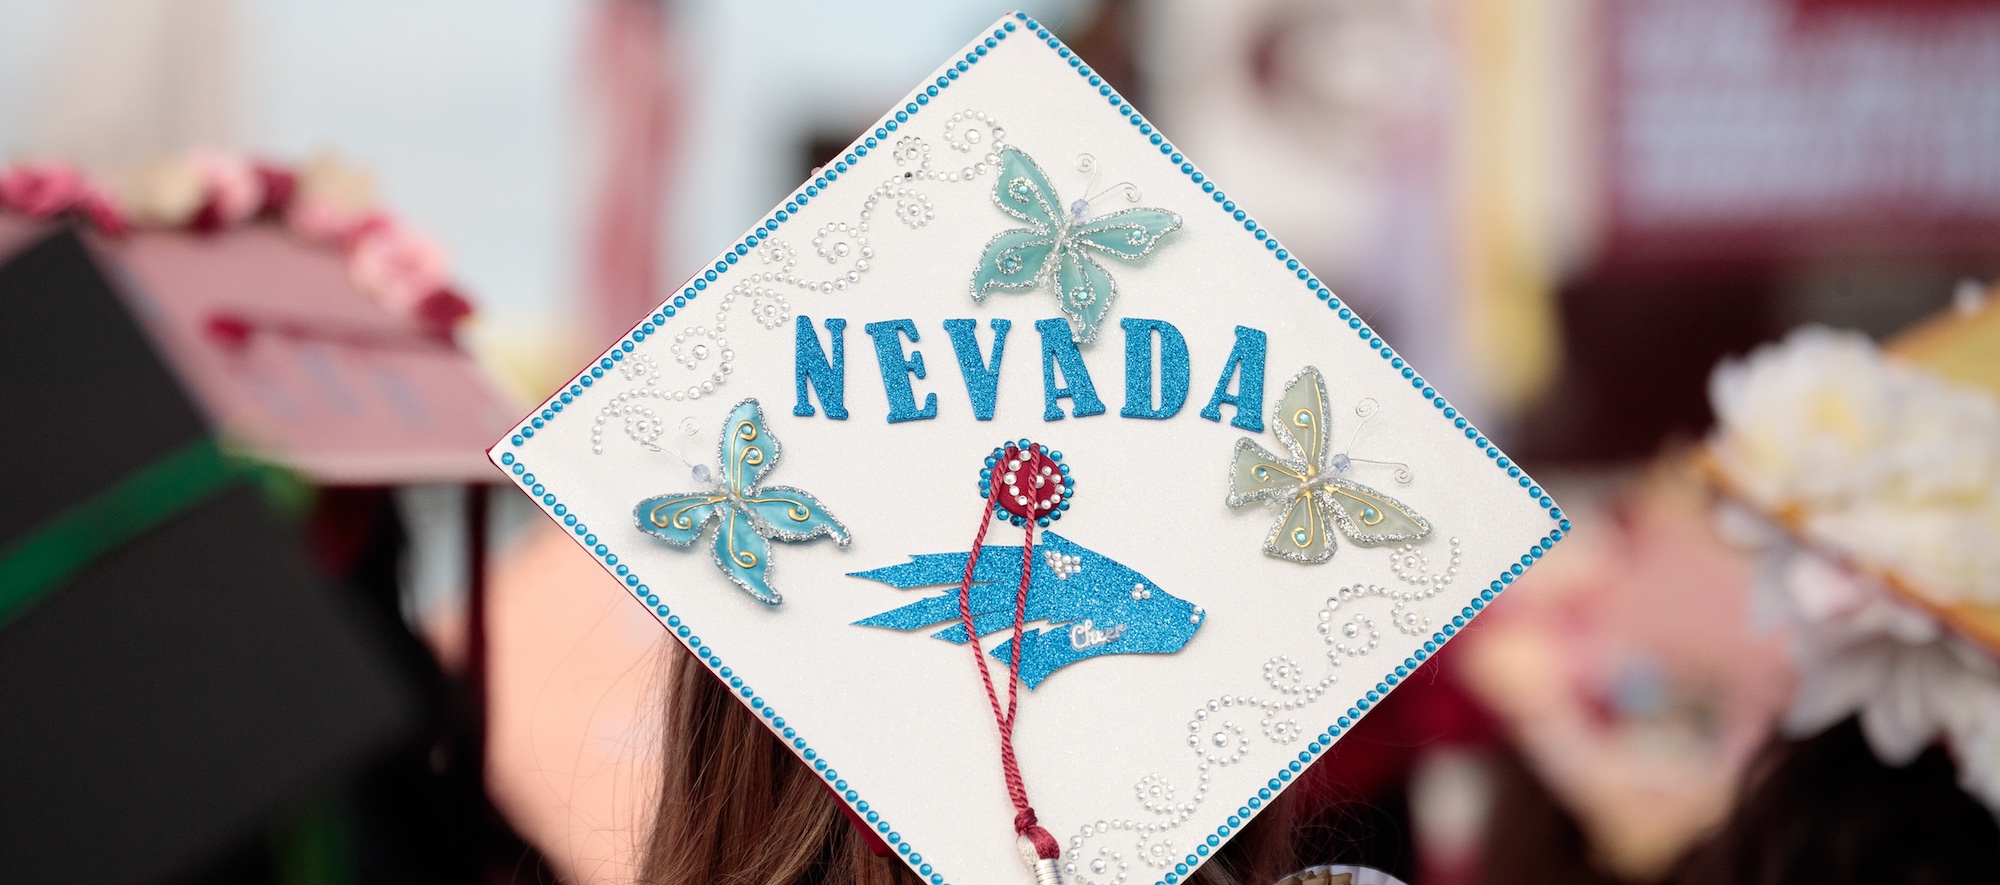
(1056, 249)
(750, 516)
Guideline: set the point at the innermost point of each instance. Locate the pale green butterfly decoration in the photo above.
(1312, 484)
(1056, 250)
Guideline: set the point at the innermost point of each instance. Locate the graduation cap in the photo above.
(1945, 368)
(175, 670)
(1032, 511)
(300, 370)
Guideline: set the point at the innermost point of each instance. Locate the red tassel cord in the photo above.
(1017, 485)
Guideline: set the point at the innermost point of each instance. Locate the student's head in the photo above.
(1824, 811)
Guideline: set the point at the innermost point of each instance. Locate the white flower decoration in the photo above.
(1862, 470)
(1862, 653)
(1878, 459)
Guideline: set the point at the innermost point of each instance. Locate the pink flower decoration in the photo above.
(231, 188)
(40, 191)
(397, 266)
(331, 202)
(441, 311)
(49, 190)
(324, 220)
(103, 214)
(279, 186)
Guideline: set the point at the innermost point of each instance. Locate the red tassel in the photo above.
(1025, 824)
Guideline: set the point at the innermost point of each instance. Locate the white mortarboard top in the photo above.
(1014, 304)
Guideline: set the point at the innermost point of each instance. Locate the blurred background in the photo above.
(362, 237)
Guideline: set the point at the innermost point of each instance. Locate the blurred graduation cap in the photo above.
(297, 369)
(175, 669)
(1962, 346)
(14, 232)
(1011, 408)
(1951, 577)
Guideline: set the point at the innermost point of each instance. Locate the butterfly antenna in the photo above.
(1403, 474)
(1131, 192)
(701, 473)
(1366, 410)
(1088, 163)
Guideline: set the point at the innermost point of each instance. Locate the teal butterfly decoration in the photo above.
(750, 516)
(1312, 484)
(1057, 250)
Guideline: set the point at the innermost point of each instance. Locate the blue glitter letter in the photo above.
(981, 381)
(1059, 347)
(830, 378)
(1139, 369)
(1248, 356)
(896, 371)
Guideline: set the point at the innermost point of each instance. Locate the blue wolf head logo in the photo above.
(1093, 604)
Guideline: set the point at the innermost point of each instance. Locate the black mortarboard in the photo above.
(172, 670)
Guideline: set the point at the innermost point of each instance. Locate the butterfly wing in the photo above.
(1087, 292)
(676, 519)
(1015, 259)
(744, 555)
(1300, 418)
(1129, 234)
(1024, 192)
(790, 514)
(1302, 534)
(747, 448)
(1258, 475)
(1369, 517)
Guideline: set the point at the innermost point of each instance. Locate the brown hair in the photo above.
(735, 806)
(1824, 810)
